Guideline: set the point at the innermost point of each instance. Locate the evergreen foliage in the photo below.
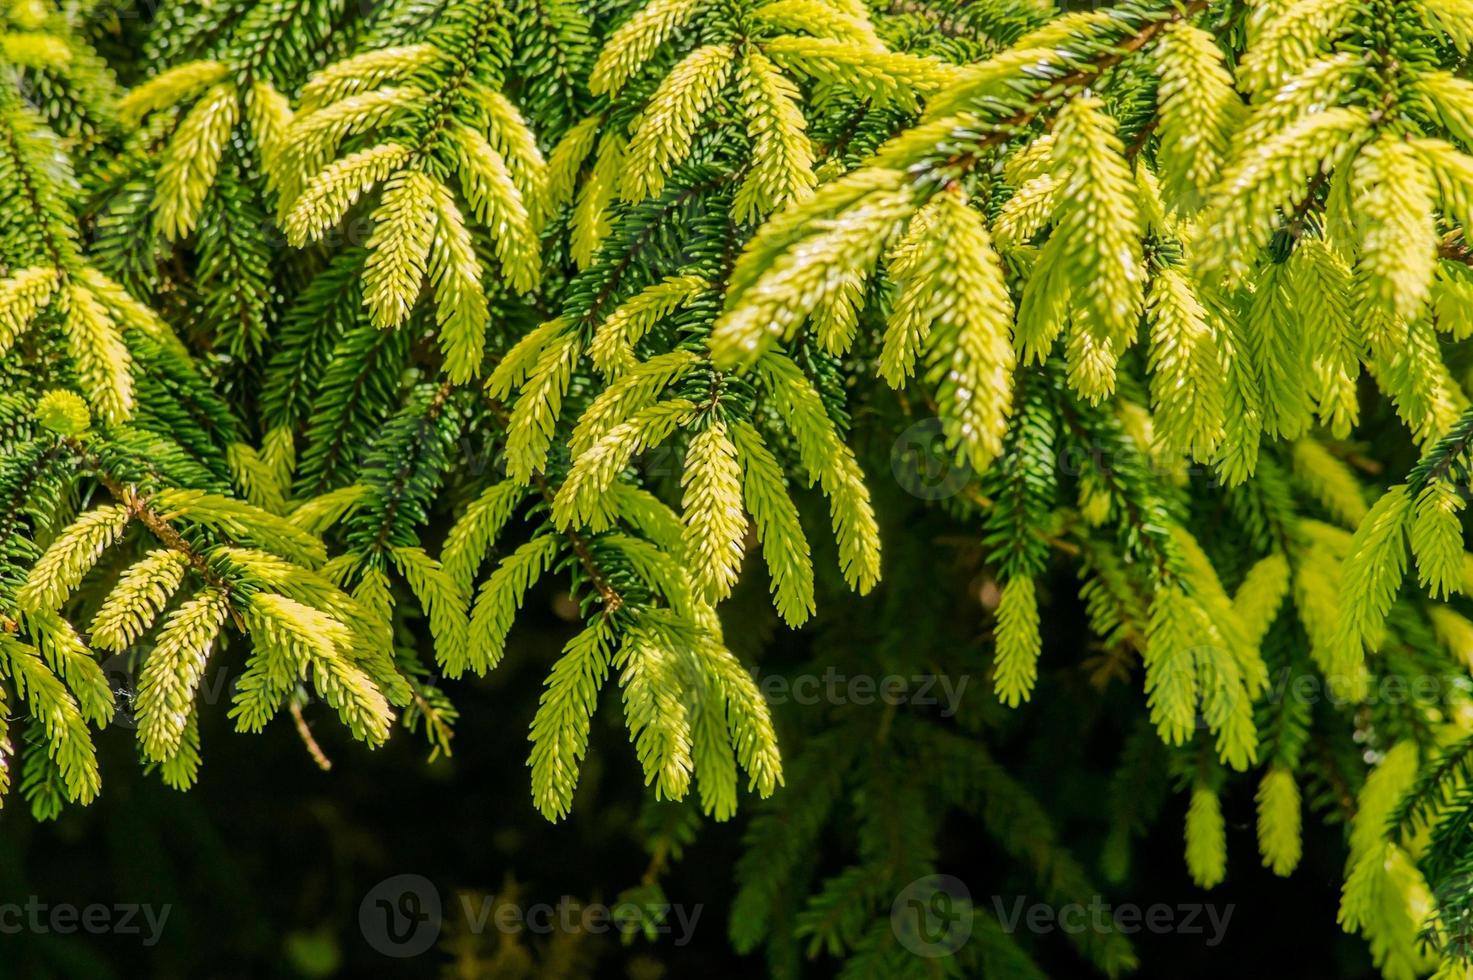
(328, 333)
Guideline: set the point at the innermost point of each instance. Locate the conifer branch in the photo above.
(1214, 256)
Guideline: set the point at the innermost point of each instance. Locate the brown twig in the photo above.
(1454, 248)
(612, 600)
(313, 749)
(158, 526)
(1077, 79)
